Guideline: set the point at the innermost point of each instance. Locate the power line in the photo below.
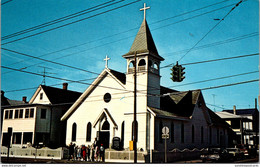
(3, 3)
(216, 43)
(28, 72)
(207, 61)
(77, 14)
(122, 38)
(210, 30)
(72, 22)
(213, 79)
(238, 83)
(81, 13)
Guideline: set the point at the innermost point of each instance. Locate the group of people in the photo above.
(94, 153)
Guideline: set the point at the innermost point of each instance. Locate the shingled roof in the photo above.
(59, 96)
(143, 43)
(180, 103)
(120, 76)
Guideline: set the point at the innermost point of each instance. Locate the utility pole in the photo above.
(135, 128)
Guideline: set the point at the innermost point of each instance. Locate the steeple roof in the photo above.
(143, 43)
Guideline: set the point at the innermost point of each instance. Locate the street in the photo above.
(65, 161)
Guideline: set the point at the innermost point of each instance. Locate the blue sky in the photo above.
(112, 33)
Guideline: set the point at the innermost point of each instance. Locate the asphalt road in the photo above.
(49, 161)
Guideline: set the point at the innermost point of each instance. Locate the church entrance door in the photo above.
(104, 138)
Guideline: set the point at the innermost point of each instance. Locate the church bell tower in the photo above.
(147, 66)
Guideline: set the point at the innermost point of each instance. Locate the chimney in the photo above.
(2, 93)
(234, 110)
(24, 99)
(65, 86)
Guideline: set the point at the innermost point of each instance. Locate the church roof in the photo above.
(143, 43)
(120, 76)
(57, 95)
(180, 103)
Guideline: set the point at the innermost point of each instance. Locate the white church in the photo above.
(105, 109)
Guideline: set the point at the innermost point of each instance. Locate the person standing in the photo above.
(92, 152)
(102, 153)
(97, 153)
(71, 151)
(83, 151)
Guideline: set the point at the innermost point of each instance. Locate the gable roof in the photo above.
(119, 77)
(143, 43)
(180, 103)
(57, 95)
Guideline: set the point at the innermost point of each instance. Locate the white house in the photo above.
(39, 120)
(105, 109)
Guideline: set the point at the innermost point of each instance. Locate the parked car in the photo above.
(235, 153)
(244, 150)
(216, 155)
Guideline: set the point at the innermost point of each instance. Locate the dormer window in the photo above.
(41, 96)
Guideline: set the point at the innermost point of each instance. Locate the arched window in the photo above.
(142, 62)
(160, 131)
(106, 125)
(210, 135)
(202, 135)
(136, 130)
(131, 64)
(122, 133)
(172, 132)
(74, 132)
(182, 133)
(192, 133)
(156, 66)
(88, 137)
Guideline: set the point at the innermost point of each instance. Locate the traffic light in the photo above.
(181, 73)
(175, 73)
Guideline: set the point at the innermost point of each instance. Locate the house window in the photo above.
(88, 138)
(172, 132)
(16, 113)
(202, 134)
(21, 113)
(17, 138)
(6, 114)
(182, 133)
(43, 113)
(74, 132)
(192, 134)
(31, 112)
(27, 112)
(41, 96)
(10, 114)
(136, 131)
(27, 137)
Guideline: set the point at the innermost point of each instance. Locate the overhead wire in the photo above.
(72, 22)
(122, 38)
(211, 30)
(207, 61)
(64, 18)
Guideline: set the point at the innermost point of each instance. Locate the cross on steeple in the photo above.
(145, 8)
(106, 59)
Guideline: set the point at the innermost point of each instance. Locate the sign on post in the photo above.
(165, 132)
(165, 135)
